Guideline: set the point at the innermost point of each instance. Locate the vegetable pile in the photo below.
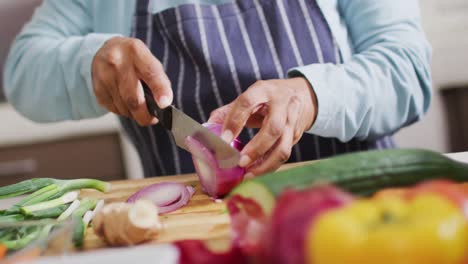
(375, 207)
(48, 199)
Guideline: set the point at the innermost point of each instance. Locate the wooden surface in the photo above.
(201, 218)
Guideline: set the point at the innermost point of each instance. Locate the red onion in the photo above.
(215, 181)
(168, 196)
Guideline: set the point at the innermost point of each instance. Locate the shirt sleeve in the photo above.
(48, 70)
(385, 85)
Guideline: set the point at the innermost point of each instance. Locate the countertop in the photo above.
(17, 130)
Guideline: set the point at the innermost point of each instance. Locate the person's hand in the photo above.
(282, 109)
(117, 69)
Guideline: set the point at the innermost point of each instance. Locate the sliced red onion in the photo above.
(168, 196)
(191, 190)
(184, 199)
(215, 181)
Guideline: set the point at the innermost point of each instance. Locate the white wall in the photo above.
(446, 25)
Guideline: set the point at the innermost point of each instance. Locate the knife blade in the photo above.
(183, 126)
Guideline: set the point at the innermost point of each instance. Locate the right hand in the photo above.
(117, 69)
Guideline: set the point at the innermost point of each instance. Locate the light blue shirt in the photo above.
(383, 84)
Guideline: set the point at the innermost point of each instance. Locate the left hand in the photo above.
(282, 109)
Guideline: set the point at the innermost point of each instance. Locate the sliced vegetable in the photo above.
(216, 181)
(127, 223)
(80, 227)
(26, 236)
(66, 198)
(73, 206)
(34, 185)
(49, 213)
(23, 187)
(360, 173)
(168, 196)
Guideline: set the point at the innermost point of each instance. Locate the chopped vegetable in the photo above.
(11, 218)
(49, 198)
(216, 181)
(66, 198)
(73, 206)
(167, 196)
(23, 187)
(127, 223)
(34, 185)
(80, 226)
(49, 213)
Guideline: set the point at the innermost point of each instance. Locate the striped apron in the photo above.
(212, 53)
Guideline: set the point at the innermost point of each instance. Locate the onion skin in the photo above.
(216, 181)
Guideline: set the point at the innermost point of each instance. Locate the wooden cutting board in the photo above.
(202, 218)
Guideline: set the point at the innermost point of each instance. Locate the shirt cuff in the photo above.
(315, 75)
(91, 44)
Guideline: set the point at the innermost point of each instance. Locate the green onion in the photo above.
(80, 226)
(11, 218)
(37, 184)
(23, 187)
(64, 199)
(49, 213)
(29, 235)
(73, 206)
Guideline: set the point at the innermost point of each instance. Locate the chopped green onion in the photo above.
(23, 187)
(73, 206)
(66, 198)
(49, 213)
(37, 184)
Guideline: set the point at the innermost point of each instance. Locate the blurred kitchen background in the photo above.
(97, 148)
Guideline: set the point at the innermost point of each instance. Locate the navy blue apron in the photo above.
(212, 53)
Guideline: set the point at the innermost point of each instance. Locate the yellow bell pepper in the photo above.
(428, 229)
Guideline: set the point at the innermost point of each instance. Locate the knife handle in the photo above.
(163, 115)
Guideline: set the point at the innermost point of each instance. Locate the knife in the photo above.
(183, 126)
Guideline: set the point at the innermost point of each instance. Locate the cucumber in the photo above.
(361, 173)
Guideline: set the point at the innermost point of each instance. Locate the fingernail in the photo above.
(244, 161)
(164, 101)
(227, 136)
(154, 121)
(248, 175)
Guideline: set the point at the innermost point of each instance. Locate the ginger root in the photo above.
(122, 224)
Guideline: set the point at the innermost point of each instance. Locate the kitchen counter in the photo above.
(20, 131)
